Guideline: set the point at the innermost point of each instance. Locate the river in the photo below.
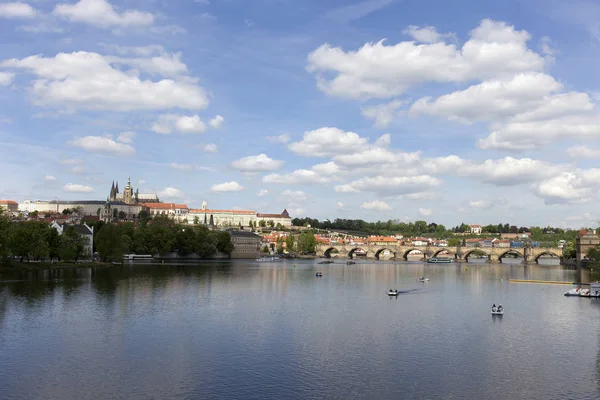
(243, 330)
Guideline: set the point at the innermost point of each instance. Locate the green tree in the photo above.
(262, 223)
(185, 241)
(196, 220)
(5, 235)
(29, 240)
(279, 244)
(306, 243)
(290, 243)
(271, 223)
(122, 215)
(72, 245)
(224, 243)
(54, 243)
(569, 251)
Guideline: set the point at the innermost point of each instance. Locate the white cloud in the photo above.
(426, 34)
(164, 64)
(102, 14)
(64, 81)
(103, 144)
(217, 122)
(144, 51)
(425, 211)
(284, 138)
(49, 178)
(210, 148)
(391, 185)
(339, 205)
(579, 186)
(6, 78)
(126, 137)
(508, 171)
(259, 163)
(377, 205)
(379, 71)
(295, 195)
(184, 167)
(422, 196)
(298, 177)
(482, 204)
(16, 10)
(382, 114)
(168, 123)
(583, 152)
(171, 193)
(70, 161)
(326, 142)
(227, 187)
(262, 193)
(76, 188)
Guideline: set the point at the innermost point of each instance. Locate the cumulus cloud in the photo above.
(76, 188)
(102, 14)
(210, 148)
(426, 34)
(6, 78)
(227, 187)
(295, 195)
(259, 163)
(103, 144)
(126, 137)
(579, 186)
(391, 185)
(583, 152)
(382, 114)
(63, 80)
(482, 204)
(376, 205)
(425, 211)
(16, 10)
(377, 70)
(262, 193)
(49, 178)
(171, 193)
(284, 138)
(217, 122)
(169, 123)
(324, 142)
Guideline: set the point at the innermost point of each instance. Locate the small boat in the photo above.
(269, 259)
(319, 274)
(439, 260)
(423, 279)
(393, 292)
(573, 292)
(584, 293)
(501, 312)
(326, 262)
(595, 294)
(350, 263)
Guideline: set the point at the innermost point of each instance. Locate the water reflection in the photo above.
(246, 330)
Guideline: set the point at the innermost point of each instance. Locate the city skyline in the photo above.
(372, 110)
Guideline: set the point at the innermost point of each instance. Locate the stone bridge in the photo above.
(494, 254)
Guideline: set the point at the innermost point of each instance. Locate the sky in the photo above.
(449, 112)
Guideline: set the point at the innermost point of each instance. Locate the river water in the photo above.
(244, 330)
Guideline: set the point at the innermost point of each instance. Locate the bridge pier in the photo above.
(493, 259)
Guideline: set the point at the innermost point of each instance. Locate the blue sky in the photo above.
(477, 112)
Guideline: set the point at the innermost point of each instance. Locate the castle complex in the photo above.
(129, 196)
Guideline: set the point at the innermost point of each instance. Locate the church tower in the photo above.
(128, 196)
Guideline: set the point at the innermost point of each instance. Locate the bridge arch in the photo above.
(510, 251)
(407, 252)
(378, 252)
(467, 253)
(354, 249)
(546, 253)
(437, 253)
(331, 250)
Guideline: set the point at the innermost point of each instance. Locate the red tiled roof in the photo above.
(271, 216)
(8, 202)
(382, 239)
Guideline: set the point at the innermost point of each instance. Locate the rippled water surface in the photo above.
(245, 330)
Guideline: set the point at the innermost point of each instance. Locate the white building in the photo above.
(85, 231)
(475, 229)
(284, 219)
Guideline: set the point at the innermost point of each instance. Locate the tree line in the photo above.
(160, 235)
(437, 231)
(38, 241)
